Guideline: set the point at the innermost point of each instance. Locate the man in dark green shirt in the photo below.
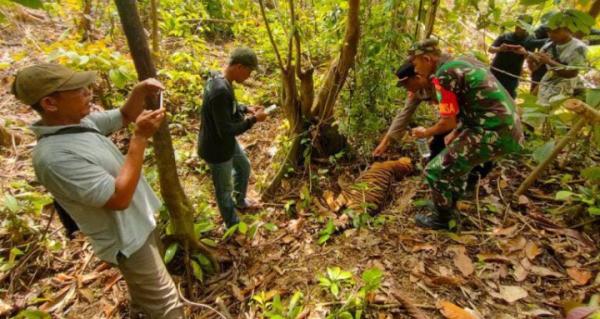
(222, 119)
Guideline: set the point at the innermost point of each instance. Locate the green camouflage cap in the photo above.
(425, 46)
(35, 82)
(244, 56)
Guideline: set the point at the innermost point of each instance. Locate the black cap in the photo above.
(405, 71)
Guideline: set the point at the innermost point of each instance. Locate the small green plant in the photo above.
(587, 194)
(272, 307)
(334, 279)
(326, 232)
(354, 304)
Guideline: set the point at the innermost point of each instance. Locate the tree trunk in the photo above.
(326, 137)
(324, 104)
(431, 18)
(595, 9)
(86, 24)
(305, 109)
(180, 209)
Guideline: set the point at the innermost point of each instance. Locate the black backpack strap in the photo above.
(66, 219)
(72, 130)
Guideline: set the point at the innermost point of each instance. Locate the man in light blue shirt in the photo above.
(103, 191)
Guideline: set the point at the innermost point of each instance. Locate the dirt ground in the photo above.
(508, 259)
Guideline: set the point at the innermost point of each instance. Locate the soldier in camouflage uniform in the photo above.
(487, 125)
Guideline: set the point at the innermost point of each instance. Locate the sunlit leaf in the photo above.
(197, 271)
(591, 173)
(541, 153)
(563, 195)
(170, 252)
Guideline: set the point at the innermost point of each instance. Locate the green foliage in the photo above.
(532, 2)
(372, 279)
(326, 232)
(334, 279)
(35, 4)
(272, 307)
(588, 194)
(116, 71)
(592, 174)
(16, 214)
(355, 301)
(541, 153)
(371, 97)
(170, 252)
(32, 314)
(574, 20)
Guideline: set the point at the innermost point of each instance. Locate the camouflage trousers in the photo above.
(447, 173)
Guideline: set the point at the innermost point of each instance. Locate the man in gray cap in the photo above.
(417, 93)
(222, 119)
(103, 191)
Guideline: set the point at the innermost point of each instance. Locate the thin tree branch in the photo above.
(262, 11)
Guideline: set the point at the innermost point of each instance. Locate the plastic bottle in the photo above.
(423, 147)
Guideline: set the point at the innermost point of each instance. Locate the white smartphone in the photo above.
(270, 109)
(160, 100)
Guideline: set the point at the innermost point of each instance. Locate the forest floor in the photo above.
(508, 259)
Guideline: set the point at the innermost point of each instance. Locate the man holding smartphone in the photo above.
(222, 119)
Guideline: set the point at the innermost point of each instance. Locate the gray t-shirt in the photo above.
(554, 87)
(80, 170)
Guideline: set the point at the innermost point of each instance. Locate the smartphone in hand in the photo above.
(270, 109)
(160, 100)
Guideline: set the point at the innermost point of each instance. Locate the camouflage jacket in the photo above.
(480, 100)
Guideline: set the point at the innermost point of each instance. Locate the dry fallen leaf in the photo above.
(508, 231)
(581, 276)
(452, 311)
(581, 312)
(545, 272)
(295, 225)
(426, 247)
(514, 244)
(61, 299)
(5, 308)
(445, 281)
(520, 272)
(489, 257)
(512, 293)
(462, 261)
(523, 200)
(532, 250)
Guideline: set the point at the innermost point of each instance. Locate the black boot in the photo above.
(438, 219)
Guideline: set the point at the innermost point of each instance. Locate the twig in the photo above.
(427, 290)
(477, 201)
(409, 305)
(195, 304)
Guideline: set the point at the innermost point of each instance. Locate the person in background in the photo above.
(222, 119)
(561, 52)
(510, 50)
